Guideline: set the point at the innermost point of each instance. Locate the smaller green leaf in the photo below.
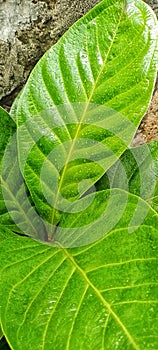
(7, 129)
(136, 171)
(16, 211)
(16, 196)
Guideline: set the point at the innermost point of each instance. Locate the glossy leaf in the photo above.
(100, 296)
(95, 285)
(108, 59)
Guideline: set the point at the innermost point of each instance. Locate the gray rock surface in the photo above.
(27, 29)
(153, 4)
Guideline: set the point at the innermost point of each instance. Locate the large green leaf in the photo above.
(100, 296)
(96, 286)
(108, 59)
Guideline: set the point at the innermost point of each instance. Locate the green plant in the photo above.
(71, 181)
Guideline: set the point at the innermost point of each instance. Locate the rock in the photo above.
(154, 5)
(27, 30)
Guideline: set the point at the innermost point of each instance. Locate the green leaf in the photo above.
(16, 211)
(16, 197)
(107, 59)
(95, 285)
(4, 345)
(139, 169)
(100, 296)
(7, 129)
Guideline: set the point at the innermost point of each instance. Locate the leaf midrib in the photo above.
(102, 299)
